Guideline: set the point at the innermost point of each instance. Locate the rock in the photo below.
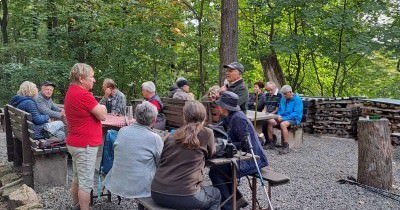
(8, 178)
(32, 206)
(22, 196)
(5, 169)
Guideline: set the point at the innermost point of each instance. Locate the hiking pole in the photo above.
(258, 171)
(255, 112)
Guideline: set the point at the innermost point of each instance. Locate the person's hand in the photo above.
(223, 88)
(62, 112)
(107, 92)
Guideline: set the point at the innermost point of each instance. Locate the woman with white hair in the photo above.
(137, 152)
(26, 100)
(150, 95)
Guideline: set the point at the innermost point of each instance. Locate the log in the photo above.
(374, 153)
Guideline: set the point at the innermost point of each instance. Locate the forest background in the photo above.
(320, 47)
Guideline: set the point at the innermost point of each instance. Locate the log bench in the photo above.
(2, 119)
(295, 138)
(39, 166)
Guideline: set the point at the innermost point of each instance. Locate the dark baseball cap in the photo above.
(235, 65)
(47, 83)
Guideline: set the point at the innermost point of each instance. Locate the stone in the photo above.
(22, 196)
(31, 206)
(50, 170)
(5, 169)
(8, 178)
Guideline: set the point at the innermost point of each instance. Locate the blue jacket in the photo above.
(291, 109)
(238, 127)
(29, 105)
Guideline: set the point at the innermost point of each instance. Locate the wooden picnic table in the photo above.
(222, 161)
(260, 115)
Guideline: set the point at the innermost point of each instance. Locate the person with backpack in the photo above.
(137, 151)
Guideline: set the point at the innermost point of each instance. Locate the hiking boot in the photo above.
(270, 145)
(284, 150)
(241, 203)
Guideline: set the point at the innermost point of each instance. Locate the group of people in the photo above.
(170, 170)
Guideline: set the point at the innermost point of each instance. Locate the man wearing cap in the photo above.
(234, 72)
(183, 90)
(113, 99)
(240, 129)
(150, 95)
(45, 103)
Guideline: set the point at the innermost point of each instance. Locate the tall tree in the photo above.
(229, 35)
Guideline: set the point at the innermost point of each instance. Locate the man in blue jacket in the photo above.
(290, 112)
(239, 129)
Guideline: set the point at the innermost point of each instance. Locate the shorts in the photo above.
(83, 166)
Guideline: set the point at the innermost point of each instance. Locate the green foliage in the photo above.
(325, 48)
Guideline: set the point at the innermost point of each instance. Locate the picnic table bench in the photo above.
(39, 166)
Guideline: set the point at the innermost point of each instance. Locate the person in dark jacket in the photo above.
(260, 101)
(239, 130)
(234, 72)
(25, 100)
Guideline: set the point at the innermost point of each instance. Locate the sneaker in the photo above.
(241, 203)
(270, 145)
(284, 150)
(75, 207)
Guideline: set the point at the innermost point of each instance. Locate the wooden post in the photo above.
(374, 153)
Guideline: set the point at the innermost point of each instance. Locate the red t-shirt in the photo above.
(84, 129)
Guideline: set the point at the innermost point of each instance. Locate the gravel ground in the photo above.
(314, 170)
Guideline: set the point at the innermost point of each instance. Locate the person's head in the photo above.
(183, 84)
(194, 115)
(82, 75)
(234, 71)
(287, 92)
(28, 88)
(228, 102)
(109, 83)
(146, 113)
(47, 89)
(270, 87)
(213, 92)
(148, 89)
(258, 87)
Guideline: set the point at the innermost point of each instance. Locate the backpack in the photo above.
(108, 152)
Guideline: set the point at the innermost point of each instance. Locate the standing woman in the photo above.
(83, 115)
(178, 180)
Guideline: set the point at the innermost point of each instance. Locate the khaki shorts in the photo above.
(83, 166)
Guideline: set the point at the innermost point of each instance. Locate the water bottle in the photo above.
(229, 149)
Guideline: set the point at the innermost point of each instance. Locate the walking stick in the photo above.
(258, 171)
(255, 112)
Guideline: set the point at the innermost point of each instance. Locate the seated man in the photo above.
(183, 90)
(239, 130)
(45, 103)
(260, 100)
(113, 99)
(150, 95)
(290, 112)
(137, 151)
(271, 105)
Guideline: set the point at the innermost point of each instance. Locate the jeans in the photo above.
(221, 177)
(207, 198)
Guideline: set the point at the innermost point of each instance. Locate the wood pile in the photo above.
(384, 108)
(309, 111)
(337, 116)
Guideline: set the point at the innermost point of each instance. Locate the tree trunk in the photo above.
(200, 48)
(229, 35)
(4, 21)
(374, 153)
(272, 69)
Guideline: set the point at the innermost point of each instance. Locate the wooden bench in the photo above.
(2, 124)
(295, 138)
(39, 166)
(272, 178)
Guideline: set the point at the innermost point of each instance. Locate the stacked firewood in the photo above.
(337, 116)
(384, 108)
(308, 114)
